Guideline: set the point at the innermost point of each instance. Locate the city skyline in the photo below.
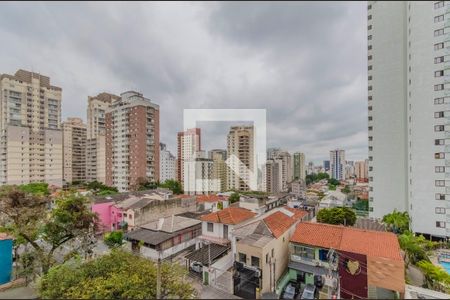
(323, 94)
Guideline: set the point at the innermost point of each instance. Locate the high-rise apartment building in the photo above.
(188, 143)
(285, 160)
(219, 157)
(361, 169)
(168, 169)
(409, 110)
(31, 139)
(273, 152)
(74, 150)
(199, 176)
(273, 172)
(132, 141)
(299, 166)
(337, 164)
(241, 174)
(96, 131)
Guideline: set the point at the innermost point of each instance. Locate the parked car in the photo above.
(309, 292)
(289, 291)
(196, 267)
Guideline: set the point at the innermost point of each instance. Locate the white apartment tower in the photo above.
(409, 112)
(219, 157)
(242, 173)
(132, 141)
(96, 131)
(168, 170)
(337, 164)
(30, 129)
(188, 144)
(74, 150)
(198, 175)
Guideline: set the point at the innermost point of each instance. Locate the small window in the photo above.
(439, 32)
(438, 59)
(369, 27)
(242, 257)
(439, 100)
(438, 87)
(210, 227)
(370, 6)
(370, 138)
(439, 182)
(440, 210)
(255, 261)
(438, 4)
(369, 57)
(369, 98)
(439, 169)
(369, 67)
(438, 128)
(370, 127)
(438, 46)
(440, 224)
(439, 155)
(439, 73)
(369, 17)
(369, 47)
(438, 19)
(440, 196)
(439, 114)
(439, 142)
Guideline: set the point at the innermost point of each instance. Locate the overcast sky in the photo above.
(303, 62)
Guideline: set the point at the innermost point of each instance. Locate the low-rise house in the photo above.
(262, 203)
(165, 237)
(348, 262)
(130, 210)
(212, 202)
(333, 199)
(261, 251)
(298, 188)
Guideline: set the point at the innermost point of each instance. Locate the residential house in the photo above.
(212, 202)
(165, 237)
(347, 262)
(333, 199)
(262, 203)
(261, 251)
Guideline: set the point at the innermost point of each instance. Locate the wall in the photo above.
(217, 230)
(103, 210)
(5, 261)
(353, 286)
(153, 254)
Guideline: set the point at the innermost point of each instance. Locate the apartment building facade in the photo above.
(132, 141)
(168, 169)
(31, 147)
(188, 143)
(74, 150)
(337, 164)
(96, 131)
(409, 110)
(299, 166)
(242, 171)
(219, 157)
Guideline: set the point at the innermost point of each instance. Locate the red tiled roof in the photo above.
(229, 215)
(366, 242)
(298, 213)
(278, 223)
(210, 198)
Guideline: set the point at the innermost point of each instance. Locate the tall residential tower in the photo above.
(74, 150)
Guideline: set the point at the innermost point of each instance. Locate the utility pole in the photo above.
(158, 277)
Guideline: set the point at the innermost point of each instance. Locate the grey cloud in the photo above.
(304, 62)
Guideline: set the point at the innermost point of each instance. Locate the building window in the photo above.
(242, 257)
(439, 73)
(439, 32)
(370, 6)
(439, 114)
(369, 57)
(370, 78)
(438, 46)
(439, 169)
(440, 196)
(438, 4)
(304, 252)
(369, 47)
(438, 59)
(369, 37)
(369, 97)
(370, 127)
(210, 227)
(369, 67)
(440, 210)
(370, 138)
(267, 258)
(439, 142)
(438, 128)
(438, 87)
(370, 88)
(439, 182)
(439, 155)
(439, 100)
(438, 19)
(255, 261)
(369, 27)
(440, 224)
(369, 17)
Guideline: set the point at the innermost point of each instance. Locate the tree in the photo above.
(46, 230)
(37, 188)
(436, 278)
(415, 247)
(397, 222)
(337, 216)
(118, 275)
(220, 205)
(234, 197)
(312, 178)
(346, 190)
(173, 185)
(361, 205)
(333, 181)
(113, 239)
(99, 189)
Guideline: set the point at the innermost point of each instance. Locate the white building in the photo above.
(409, 107)
(31, 139)
(199, 175)
(74, 150)
(337, 164)
(188, 143)
(242, 173)
(167, 164)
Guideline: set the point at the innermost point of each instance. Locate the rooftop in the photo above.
(171, 224)
(367, 242)
(229, 215)
(210, 198)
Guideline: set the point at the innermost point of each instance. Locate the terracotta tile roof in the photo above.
(210, 198)
(366, 242)
(278, 223)
(298, 213)
(229, 215)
